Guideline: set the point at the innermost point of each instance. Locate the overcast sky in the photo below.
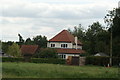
(48, 17)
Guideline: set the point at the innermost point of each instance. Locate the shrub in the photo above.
(10, 59)
(46, 53)
(48, 60)
(35, 60)
(101, 61)
(14, 50)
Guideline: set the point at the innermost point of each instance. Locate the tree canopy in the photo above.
(14, 50)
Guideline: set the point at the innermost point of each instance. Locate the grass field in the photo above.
(33, 70)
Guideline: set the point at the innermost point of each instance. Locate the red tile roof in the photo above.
(64, 36)
(71, 51)
(29, 49)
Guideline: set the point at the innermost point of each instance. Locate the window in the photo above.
(63, 56)
(64, 45)
(52, 45)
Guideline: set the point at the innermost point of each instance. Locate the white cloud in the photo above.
(38, 17)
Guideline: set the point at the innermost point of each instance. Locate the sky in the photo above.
(48, 17)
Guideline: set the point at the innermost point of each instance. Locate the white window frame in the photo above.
(64, 45)
(52, 45)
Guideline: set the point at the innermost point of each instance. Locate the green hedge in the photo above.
(102, 61)
(48, 60)
(35, 60)
(10, 59)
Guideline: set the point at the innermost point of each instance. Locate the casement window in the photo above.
(63, 56)
(52, 45)
(64, 45)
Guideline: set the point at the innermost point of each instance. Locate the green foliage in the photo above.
(29, 42)
(95, 38)
(14, 50)
(46, 53)
(116, 27)
(78, 31)
(41, 41)
(92, 36)
(12, 59)
(35, 60)
(45, 71)
(101, 61)
(21, 38)
(112, 19)
(48, 60)
(5, 46)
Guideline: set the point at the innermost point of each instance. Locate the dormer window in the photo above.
(64, 45)
(52, 45)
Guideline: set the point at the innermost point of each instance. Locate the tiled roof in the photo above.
(64, 36)
(29, 49)
(71, 51)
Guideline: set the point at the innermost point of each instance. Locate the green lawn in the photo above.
(33, 70)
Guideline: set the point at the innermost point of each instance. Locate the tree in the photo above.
(21, 40)
(41, 41)
(29, 41)
(102, 44)
(95, 38)
(116, 33)
(46, 53)
(14, 50)
(112, 19)
(5, 45)
(91, 36)
(78, 31)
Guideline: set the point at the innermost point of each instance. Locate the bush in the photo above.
(48, 60)
(10, 59)
(46, 53)
(35, 60)
(101, 61)
(14, 50)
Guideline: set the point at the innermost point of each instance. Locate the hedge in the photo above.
(35, 60)
(10, 59)
(102, 61)
(48, 60)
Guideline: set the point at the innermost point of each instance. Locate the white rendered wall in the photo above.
(78, 47)
(66, 57)
(58, 44)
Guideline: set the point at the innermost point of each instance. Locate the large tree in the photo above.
(40, 40)
(112, 19)
(21, 40)
(94, 39)
(92, 36)
(29, 41)
(78, 31)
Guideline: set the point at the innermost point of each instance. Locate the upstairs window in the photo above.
(64, 45)
(52, 45)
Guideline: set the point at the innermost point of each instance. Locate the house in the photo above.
(101, 54)
(66, 45)
(29, 49)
